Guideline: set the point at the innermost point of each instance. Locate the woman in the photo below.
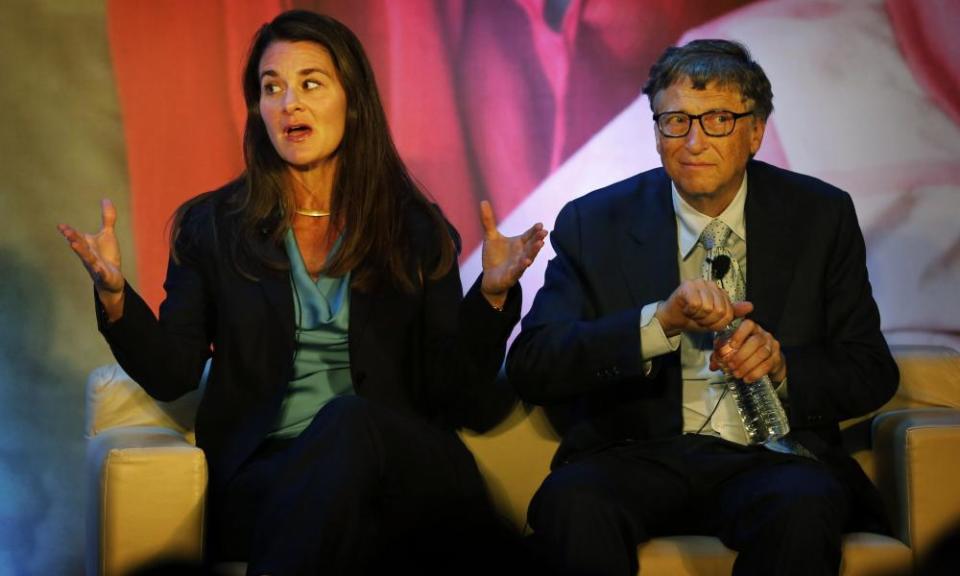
(324, 286)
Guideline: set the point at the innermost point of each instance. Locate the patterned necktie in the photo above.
(719, 265)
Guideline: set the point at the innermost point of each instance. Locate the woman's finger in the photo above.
(532, 232)
(488, 221)
(531, 249)
(108, 214)
(80, 245)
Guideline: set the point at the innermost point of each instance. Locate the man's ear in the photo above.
(756, 136)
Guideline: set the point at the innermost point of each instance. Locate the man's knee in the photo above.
(817, 489)
(569, 495)
(804, 497)
(580, 526)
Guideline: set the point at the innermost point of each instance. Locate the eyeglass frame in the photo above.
(699, 118)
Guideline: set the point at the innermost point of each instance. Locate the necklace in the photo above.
(312, 213)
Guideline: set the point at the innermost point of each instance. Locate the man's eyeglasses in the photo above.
(713, 123)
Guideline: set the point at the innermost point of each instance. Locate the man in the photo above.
(619, 342)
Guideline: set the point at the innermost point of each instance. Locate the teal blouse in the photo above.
(321, 365)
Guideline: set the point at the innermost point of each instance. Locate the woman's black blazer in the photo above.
(433, 353)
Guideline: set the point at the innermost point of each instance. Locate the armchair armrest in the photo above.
(917, 455)
(114, 400)
(147, 489)
(146, 480)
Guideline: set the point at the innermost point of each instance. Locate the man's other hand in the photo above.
(699, 306)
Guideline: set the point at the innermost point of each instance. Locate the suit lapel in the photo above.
(276, 288)
(772, 246)
(649, 244)
(361, 306)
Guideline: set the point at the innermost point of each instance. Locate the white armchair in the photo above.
(148, 481)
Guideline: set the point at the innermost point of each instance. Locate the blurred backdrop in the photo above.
(527, 103)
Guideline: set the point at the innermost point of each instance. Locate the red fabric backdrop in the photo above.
(485, 99)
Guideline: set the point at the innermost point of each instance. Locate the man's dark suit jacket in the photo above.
(616, 250)
(432, 354)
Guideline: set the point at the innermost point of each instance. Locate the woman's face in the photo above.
(302, 103)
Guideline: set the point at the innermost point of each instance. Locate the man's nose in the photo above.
(695, 140)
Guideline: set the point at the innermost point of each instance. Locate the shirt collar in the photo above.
(690, 222)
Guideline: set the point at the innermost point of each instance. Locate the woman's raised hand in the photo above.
(100, 255)
(505, 258)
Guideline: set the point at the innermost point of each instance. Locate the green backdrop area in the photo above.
(61, 150)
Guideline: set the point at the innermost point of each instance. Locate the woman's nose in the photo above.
(291, 100)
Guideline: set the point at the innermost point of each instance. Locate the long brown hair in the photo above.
(372, 188)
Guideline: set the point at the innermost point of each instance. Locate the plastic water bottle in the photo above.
(758, 405)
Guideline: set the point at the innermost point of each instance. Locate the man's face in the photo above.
(707, 170)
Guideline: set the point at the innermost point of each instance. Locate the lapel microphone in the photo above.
(719, 266)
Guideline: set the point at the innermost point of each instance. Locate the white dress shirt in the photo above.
(702, 387)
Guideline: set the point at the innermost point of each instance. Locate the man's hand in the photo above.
(749, 354)
(699, 306)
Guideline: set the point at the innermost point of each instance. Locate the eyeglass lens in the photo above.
(718, 123)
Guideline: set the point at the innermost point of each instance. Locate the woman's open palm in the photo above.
(505, 258)
(100, 252)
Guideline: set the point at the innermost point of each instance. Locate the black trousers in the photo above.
(784, 514)
(363, 488)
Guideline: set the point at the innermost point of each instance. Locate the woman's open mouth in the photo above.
(297, 132)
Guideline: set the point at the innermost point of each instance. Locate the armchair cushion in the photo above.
(917, 453)
(147, 488)
(863, 553)
(929, 377)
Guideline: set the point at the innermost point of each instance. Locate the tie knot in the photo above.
(715, 234)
